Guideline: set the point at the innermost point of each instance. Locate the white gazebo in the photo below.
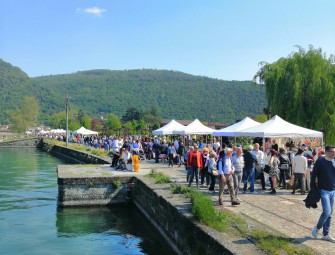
(84, 131)
(168, 128)
(231, 130)
(194, 128)
(276, 127)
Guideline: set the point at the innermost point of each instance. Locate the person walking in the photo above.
(249, 170)
(204, 170)
(284, 167)
(171, 153)
(226, 177)
(238, 162)
(274, 170)
(194, 161)
(212, 171)
(299, 168)
(324, 171)
(259, 165)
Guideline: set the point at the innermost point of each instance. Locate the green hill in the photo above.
(176, 94)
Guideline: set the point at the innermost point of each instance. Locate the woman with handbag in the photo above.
(212, 170)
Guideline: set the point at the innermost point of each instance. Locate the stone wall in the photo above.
(95, 191)
(31, 142)
(76, 156)
(175, 221)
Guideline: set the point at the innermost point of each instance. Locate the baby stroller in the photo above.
(149, 152)
(140, 154)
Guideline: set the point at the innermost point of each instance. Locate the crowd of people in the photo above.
(209, 163)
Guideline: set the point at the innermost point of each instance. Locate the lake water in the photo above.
(31, 223)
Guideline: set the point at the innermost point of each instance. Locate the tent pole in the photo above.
(235, 140)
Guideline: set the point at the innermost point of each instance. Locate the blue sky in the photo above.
(224, 39)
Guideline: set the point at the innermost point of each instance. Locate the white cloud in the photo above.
(94, 10)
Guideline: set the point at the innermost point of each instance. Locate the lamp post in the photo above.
(34, 125)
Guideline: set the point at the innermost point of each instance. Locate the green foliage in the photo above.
(116, 184)
(74, 125)
(86, 122)
(159, 177)
(261, 118)
(300, 89)
(179, 189)
(167, 94)
(141, 124)
(24, 116)
(113, 121)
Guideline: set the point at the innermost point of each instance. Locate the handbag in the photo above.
(215, 172)
(267, 169)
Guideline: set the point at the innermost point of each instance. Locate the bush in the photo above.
(159, 177)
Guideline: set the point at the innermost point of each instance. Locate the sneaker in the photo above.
(315, 232)
(235, 203)
(328, 238)
(239, 199)
(220, 202)
(254, 193)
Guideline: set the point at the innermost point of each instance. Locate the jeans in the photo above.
(194, 172)
(213, 181)
(298, 177)
(249, 173)
(156, 156)
(237, 180)
(327, 201)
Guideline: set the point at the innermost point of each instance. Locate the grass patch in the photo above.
(203, 209)
(99, 152)
(159, 177)
(116, 184)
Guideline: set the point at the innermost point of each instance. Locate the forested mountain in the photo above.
(14, 84)
(175, 94)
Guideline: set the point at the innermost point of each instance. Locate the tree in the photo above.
(24, 116)
(300, 88)
(113, 121)
(86, 122)
(74, 125)
(132, 113)
(141, 124)
(261, 118)
(81, 115)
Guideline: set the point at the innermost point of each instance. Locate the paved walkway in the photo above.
(284, 212)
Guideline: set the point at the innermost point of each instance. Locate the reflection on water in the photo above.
(31, 223)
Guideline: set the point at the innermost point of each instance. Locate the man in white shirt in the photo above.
(259, 165)
(226, 176)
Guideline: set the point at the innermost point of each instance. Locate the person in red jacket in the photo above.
(194, 162)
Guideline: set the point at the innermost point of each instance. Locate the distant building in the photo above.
(186, 122)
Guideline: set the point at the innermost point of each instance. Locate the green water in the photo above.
(31, 223)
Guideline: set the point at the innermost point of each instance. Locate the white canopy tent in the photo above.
(58, 131)
(276, 127)
(42, 132)
(84, 131)
(231, 130)
(168, 128)
(194, 128)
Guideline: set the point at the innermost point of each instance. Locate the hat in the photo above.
(303, 144)
(250, 148)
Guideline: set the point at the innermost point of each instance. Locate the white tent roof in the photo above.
(277, 127)
(84, 131)
(168, 128)
(194, 128)
(231, 130)
(43, 132)
(58, 131)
